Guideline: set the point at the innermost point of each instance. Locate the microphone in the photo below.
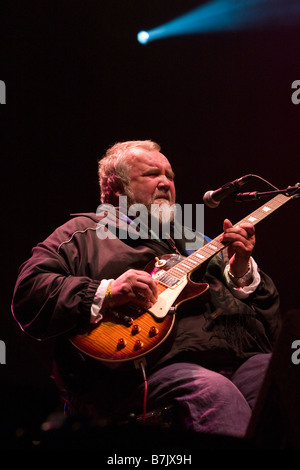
(253, 195)
(213, 198)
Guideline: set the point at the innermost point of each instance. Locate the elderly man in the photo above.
(212, 357)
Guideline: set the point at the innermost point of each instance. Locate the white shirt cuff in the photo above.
(244, 292)
(96, 307)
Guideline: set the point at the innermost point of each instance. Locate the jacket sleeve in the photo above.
(265, 301)
(263, 305)
(51, 296)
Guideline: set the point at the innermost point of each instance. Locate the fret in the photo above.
(187, 263)
(199, 255)
(209, 250)
(178, 272)
(263, 211)
(192, 260)
(183, 267)
(176, 268)
(213, 247)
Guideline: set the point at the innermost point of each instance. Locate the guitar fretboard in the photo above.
(196, 259)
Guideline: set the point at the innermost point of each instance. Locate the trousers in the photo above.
(207, 401)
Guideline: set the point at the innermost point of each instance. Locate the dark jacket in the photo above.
(56, 286)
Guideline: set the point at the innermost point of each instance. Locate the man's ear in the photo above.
(117, 190)
(117, 187)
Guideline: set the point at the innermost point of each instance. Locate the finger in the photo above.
(226, 224)
(243, 230)
(249, 228)
(145, 291)
(132, 277)
(240, 245)
(236, 235)
(142, 301)
(241, 249)
(135, 286)
(233, 232)
(148, 280)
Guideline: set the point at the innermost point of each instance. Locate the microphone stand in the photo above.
(254, 195)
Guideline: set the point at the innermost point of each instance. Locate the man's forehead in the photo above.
(148, 158)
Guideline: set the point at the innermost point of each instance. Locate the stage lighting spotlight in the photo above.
(228, 15)
(143, 37)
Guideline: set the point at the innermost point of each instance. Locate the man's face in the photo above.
(151, 178)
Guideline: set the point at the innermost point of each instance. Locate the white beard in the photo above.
(164, 213)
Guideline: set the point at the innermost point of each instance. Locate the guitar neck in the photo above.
(196, 259)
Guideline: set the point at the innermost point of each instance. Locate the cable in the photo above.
(265, 181)
(145, 391)
(140, 364)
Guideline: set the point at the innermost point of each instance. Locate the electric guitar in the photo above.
(129, 333)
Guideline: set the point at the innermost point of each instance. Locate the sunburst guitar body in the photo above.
(128, 333)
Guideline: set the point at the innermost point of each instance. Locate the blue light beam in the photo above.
(227, 15)
(143, 37)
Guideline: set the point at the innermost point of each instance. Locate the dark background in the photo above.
(78, 81)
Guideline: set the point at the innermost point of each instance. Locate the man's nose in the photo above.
(163, 183)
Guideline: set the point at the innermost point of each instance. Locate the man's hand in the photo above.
(136, 287)
(242, 240)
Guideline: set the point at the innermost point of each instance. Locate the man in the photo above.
(212, 363)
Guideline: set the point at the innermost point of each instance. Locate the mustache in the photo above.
(162, 195)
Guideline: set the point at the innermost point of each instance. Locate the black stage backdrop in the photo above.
(77, 81)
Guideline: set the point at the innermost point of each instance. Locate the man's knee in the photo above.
(250, 375)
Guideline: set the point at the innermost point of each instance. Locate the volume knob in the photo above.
(138, 344)
(121, 343)
(153, 331)
(135, 329)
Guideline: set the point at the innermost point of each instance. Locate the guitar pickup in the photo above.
(167, 279)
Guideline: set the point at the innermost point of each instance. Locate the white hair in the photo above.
(113, 168)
